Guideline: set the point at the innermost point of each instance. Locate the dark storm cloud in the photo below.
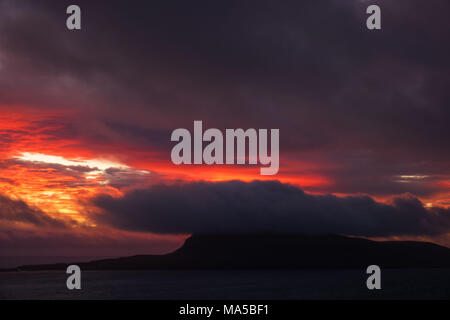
(213, 50)
(265, 207)
(310, 68)
(19, 211)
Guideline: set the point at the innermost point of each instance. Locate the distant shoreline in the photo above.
(272, 251)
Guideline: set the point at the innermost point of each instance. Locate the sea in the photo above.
(228, 284)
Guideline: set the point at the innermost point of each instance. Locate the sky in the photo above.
(86, 118)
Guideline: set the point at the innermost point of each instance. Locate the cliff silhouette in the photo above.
(275, 251)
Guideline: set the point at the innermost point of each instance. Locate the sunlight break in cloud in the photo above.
(99, 167)
(102, 165)
(58, 185)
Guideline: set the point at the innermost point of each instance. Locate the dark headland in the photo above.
(275, 251)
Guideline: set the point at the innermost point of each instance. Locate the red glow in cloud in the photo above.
(56, 173)
(58, 170)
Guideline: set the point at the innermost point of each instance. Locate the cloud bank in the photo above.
(258, 206)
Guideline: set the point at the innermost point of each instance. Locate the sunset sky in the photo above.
(86, 118)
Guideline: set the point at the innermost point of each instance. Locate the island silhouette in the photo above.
(274, 251)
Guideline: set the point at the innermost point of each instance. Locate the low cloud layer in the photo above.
(257, 206)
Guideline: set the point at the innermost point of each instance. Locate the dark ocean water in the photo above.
(238, 284)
